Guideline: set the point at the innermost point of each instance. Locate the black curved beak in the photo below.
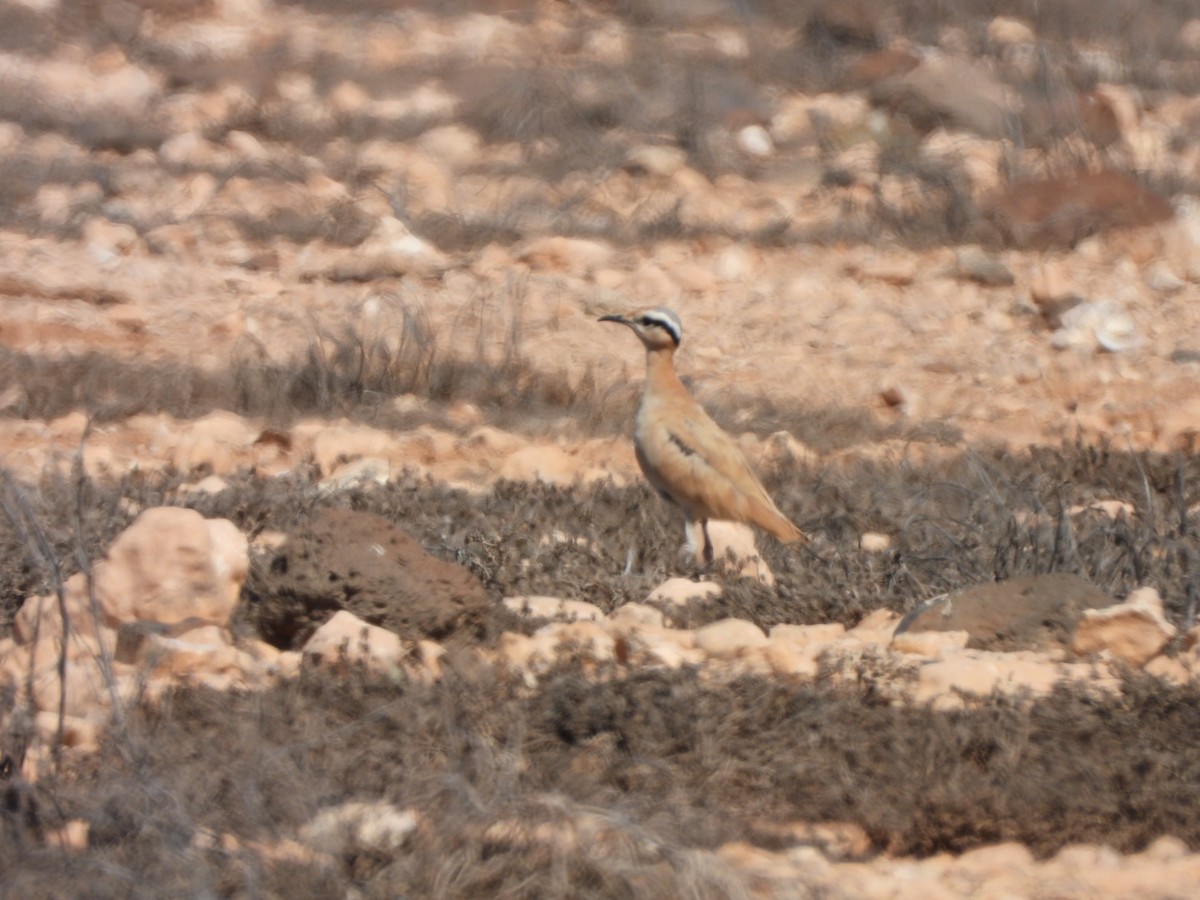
(621, 319)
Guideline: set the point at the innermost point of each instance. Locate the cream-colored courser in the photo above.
(684, 454)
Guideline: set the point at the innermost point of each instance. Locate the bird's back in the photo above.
(687, 456)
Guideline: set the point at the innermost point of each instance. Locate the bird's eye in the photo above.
(647, 321)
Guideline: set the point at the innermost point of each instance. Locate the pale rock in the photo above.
(1189, 35)
(997, 860)
(189, 151)
(1025, 675)
(534, 654)
(554, 608)
(227, 427)
(634, 615)
(365, 470)
(667, 647)
(804, 635)
(656, 160)
(563, 254)
(168, 566)
(1088, 859)
(736, 540)
(289, 663)
(464, 414)
(337, 444)
(729, 638)
(430, 655)
(213, 443)
(734, 264)
(346, 98)
(1134, 631)
(755, 141)
(85, 689)
(942, 681)
(546, 462)
(263, 654)
(931, 644)
(678, 591)
(72, 836)
(78, 733)
(1113, 509)
(358, 827)
(1168, 669)
(210, 485)
(390, 251)
(1166, 849)
(347, 639)
(493, 441)
(196, 653)
(455, 144)
(1178, 424)
(1004, 30)
(247, 146)
(782, 448)
(874, 542)
(890, 269)
(876, 628)
(792, 658)
(588, 640)
(108, 241)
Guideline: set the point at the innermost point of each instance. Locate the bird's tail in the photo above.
(781, 526)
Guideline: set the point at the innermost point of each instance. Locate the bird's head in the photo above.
(658, 327)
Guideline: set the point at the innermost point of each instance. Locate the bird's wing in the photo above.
(709, 472)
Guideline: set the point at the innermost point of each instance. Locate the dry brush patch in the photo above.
(660, 763)
(974, 518)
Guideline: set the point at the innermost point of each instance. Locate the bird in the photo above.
(683, 453)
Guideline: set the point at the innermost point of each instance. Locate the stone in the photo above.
(1004, 30)
(346, 640)
(680, 591)
(548, 463)
(942, 681)
(360, 827)
(636, 615)
(554, 608)
(72, 836)
(975, 264)
(877, 627)
(1025, 612)
(657, 160)
(874, 542)
(667, 647)
(950, 93)
(734, 540)
(792, 658)
(578, 256)
(933, 644)
(170, 565)
(338, 444)
(342, 559)
(1062, 210)
(587, 640)
(807, 634)
(729, 638)
(1134, 631)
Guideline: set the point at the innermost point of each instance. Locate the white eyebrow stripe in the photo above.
(669, 323)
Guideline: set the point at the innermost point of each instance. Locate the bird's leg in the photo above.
(689, 544)
(708, 547)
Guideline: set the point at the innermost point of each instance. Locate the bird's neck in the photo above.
(660, 368)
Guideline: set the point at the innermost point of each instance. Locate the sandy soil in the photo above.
(332, 271)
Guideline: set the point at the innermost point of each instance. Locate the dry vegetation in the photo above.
(667, 763)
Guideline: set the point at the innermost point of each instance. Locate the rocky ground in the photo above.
(327, 568)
